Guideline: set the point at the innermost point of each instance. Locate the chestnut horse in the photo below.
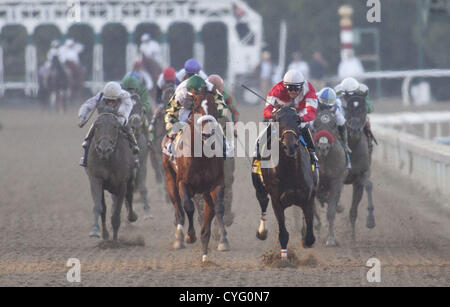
(288, 183)
(194, 171)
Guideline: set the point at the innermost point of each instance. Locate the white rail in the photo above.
(425, 162)
(420, 124)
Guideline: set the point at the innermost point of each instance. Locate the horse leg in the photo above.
(189, 208)
(105, 233)
(96, 192)
(132, 216)
(283, 235)
(331, 211)
(317, 217)
(117, 208)
(370, 218)
(176, 201)
(228, 216)
(217, 197)
(308, 212)
(208, 215)
(142, 178)
(263, 200)
(358, 190)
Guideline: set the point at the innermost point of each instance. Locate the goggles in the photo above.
(294, 87)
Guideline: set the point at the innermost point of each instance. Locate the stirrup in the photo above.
(83, 162)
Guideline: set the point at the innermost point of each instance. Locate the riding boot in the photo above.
(311, 148)
(343, 134)
(132, 139)
(85, 145)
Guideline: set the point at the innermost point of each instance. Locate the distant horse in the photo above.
(359, 175)
(159, 131)
(193, 174)
(288, 183)
(57, 85)
(136, 122)
(154, 70)
(75, 73)
(332, 169)
(110, 168)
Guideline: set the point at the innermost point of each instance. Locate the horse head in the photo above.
(355, 115)
(325, 128)
(136, 119)
(205, 113)
(288, 120)
(106, 134)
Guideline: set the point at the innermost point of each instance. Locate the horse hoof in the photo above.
(204, 258)
(146, 208)
(105, 235)
(94, 234)
(178, 244)
(309, 241)
(331, 243)
(190, 239)
(262, 236)
(132, 217)
(223, 247)
(339, 209)
(370, 223)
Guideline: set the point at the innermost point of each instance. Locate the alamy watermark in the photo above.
(374, 274)
(374, 13)
(74, 273)
(73, 11)
(209, 137)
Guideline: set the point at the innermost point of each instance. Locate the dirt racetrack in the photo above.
(45, 218)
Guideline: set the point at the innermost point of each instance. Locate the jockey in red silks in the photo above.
(300, 94)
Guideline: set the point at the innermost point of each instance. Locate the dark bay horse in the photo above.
(332, 169)
(110, 168)
(288, 183)
(57, 85)
(359, 175)
(159, 131)
(136, 122)
(196, 172)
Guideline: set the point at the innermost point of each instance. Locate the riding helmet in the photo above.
(192, 66)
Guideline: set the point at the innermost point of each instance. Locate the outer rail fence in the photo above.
(425, 162)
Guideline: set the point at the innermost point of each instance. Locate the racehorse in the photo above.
(57, 85)
(289, 183)
(75, 73)
(332, 169)
(110, 168)
(136, 122)
(154, 70)
(195, 172)
(159, 131)
(359, 175)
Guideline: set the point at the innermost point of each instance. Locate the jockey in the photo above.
(165, 78)
(350, 87)
(180, 105)
(70, 51)
(225, 94)
(132, 85)
(55, 51)
(298, 92)
(150, 48)
(191, 67)
(115, 97)
(327, 99)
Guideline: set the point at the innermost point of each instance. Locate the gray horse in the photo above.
(359, 175)
(137, 123)
(111, 168)
(332, 169)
